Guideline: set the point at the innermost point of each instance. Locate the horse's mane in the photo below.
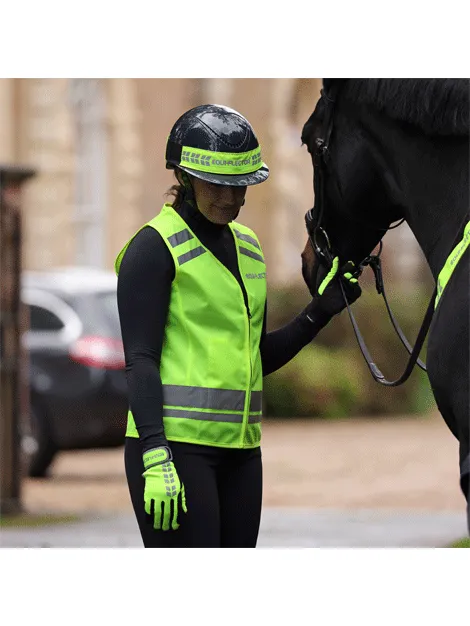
(439, 106)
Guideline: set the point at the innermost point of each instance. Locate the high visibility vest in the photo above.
(211, 364)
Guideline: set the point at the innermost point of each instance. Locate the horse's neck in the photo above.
(437, 197)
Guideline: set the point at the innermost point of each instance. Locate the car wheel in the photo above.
(37, 444)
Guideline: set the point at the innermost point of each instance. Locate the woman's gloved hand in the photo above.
(328, 299)
(164, 492)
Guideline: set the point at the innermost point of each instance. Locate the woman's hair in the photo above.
(177, 191)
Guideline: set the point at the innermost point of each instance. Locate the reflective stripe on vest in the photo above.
(207, 398)
(192, 254)
(244, 237)
(451, 263)
(251, 254)
(178, 238)
(236, 418)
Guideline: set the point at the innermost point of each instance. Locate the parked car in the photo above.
(78, 392)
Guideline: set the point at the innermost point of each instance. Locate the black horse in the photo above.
(399, 148)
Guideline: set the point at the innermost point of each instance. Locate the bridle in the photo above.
(321, 245)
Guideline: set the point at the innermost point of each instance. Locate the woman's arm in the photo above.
(280, 346)
(143, 293)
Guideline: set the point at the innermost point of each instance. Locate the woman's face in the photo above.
(220, 204)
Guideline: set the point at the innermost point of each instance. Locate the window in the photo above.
(44, 320)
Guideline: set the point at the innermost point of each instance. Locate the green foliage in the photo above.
(26, 520)
(462, 543)
(329, 377)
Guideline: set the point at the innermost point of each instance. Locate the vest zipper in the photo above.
(246, 416)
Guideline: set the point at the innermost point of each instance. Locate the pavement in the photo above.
(352, 483)
(280, 528)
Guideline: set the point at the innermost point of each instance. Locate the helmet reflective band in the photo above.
(221, 162)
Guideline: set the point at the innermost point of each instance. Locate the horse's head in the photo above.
(357, 199)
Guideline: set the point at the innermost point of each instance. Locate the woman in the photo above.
(192, 305)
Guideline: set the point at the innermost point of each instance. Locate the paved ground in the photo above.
(352, 483)
(295, 528)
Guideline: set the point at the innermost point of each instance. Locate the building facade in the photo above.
(98, 147)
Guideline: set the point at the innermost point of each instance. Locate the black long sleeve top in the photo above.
(144, 285)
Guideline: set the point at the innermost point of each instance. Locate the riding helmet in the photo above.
(217, 144)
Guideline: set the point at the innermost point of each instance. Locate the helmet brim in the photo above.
(234, 180)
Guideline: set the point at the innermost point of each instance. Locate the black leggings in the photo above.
(223, 495)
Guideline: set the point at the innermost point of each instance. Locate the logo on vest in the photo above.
(260, 275)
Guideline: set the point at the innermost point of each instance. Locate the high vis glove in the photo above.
(164, 492)
(329, 298)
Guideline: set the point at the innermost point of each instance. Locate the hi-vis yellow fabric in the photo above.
(221, 162)
(211, 364)
(451, 263)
